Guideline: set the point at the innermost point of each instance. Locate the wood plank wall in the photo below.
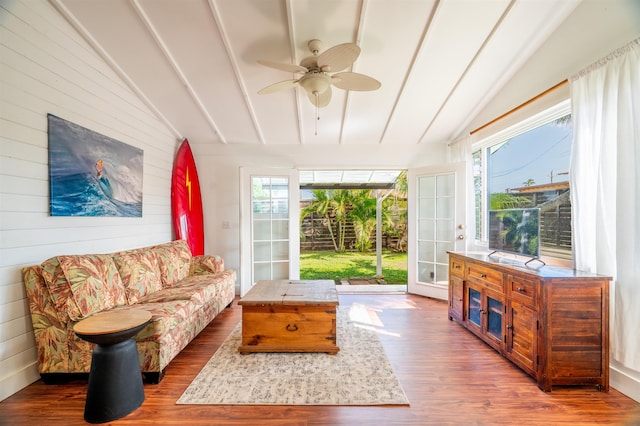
(47, 67)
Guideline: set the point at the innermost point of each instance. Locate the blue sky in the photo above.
(531, 155)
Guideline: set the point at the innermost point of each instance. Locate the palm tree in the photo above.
(322, 205)
(501, 200)
(363, 216)
(341, 199)
(529, 182)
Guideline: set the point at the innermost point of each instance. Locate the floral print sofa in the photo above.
(182, 292)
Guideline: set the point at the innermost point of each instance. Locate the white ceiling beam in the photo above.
(357, 37)
(409, 74)
(174, 64)
(82, 30)
(236, 69)
(469, 66)
(291, 28)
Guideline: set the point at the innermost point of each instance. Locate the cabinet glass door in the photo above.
(494, 318)
(474, 306)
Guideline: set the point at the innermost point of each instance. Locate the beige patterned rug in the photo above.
(360, 374)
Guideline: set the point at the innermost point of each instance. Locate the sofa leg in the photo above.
(153, 377)
(62, 378)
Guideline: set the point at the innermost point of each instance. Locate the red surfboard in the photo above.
(186, 200)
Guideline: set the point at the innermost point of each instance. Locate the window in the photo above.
(527, 165)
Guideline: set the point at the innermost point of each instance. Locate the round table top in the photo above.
(112, 322)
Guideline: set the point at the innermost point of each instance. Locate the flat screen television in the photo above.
(515, 231)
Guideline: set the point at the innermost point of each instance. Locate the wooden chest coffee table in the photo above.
(289, 316)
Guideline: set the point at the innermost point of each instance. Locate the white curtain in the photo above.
(605, 187)
(460, 151)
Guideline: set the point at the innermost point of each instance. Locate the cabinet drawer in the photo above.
(487, 277)
(456, 267)
(522, 290)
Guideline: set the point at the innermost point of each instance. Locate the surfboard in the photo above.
(186, 200)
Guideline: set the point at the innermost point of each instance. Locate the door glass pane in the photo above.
(281, 271)
(260, 188)
(261, 271)
(426, 186)
(280, 229)
(445, 184)
(494, 322)
(474, 306)
(442, 274)
(261, 230)
(444, 230)
(280, 209)
(260, 209)
(426, 251)
(444, 207)
(425, 272)
(426, 229)
(280, 250)
(441, 252)
(261, 251)
(426, 208)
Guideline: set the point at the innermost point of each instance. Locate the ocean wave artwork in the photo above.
(91, 174)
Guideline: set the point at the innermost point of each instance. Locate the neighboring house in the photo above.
(39, 76)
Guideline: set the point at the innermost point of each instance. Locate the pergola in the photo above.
(382, 181)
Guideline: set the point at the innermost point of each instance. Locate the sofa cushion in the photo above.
(174, 260)
(94, 283)
(206, 264)
(139, 272)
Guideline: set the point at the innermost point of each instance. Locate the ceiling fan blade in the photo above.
(287, 84)
(283, 66)
(354, 81)
(323, 98)
(338, 57)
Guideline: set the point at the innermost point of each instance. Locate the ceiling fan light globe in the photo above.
(315, 83)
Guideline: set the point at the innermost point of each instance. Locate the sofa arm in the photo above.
(51, 333)
(206, 264)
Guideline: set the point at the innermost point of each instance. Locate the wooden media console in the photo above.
(551, 322)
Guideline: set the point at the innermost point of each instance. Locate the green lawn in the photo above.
(316, 265)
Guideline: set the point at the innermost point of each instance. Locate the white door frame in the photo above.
(246, 235)
(433, 289)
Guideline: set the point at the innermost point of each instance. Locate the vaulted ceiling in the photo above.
(195, 63)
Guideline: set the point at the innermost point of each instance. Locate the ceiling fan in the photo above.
(316, 79)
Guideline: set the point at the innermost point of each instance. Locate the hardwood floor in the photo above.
(449, 376)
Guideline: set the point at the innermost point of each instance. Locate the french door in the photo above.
(436, 214)
(269, 234)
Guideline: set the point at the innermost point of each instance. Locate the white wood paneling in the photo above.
(47, 67)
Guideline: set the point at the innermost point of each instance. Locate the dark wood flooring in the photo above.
(450, 377)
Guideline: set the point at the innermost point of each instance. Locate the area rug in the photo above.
(360, 374)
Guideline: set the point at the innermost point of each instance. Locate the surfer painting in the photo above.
(91, 174)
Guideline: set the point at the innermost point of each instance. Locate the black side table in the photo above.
(115, 381)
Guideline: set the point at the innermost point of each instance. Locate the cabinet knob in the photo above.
(521, 289)
(509, 326)
(483, 275)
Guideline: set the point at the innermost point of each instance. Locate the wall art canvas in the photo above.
(91, 174)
